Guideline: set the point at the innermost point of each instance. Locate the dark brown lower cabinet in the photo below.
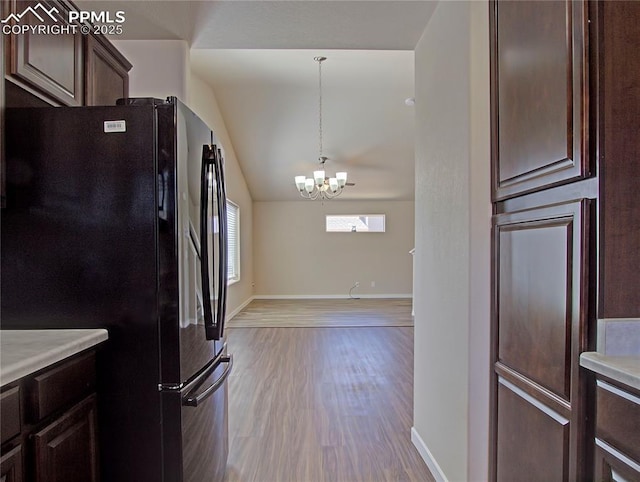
(610, 467)
(11, 465)
(533, 438)
(49, 424)
(65, 450)
(540, 318)
(617, 455)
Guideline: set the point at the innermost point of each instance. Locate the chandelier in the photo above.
(319, 186)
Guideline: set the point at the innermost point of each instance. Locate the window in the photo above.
(233, 247)
(355, 223)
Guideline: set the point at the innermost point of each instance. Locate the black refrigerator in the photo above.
(116, 218)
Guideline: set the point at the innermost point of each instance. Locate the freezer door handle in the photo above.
(192, 400)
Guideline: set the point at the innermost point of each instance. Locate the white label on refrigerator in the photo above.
(115, 126)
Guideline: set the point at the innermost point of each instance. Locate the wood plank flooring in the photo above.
(323, 312)
(322, 405)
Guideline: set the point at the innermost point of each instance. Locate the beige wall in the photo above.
(162, 69)
(453, 214)
(294, 256)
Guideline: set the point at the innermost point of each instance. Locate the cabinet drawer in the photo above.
(618, 419)
(56, 388)
(9, 414)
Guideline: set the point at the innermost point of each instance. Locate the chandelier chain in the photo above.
(320, 186)
(320, 109)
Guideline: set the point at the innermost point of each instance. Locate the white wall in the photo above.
(451, 364)
(203, 102)
(480, 245)
(160, 67)
(294, 256)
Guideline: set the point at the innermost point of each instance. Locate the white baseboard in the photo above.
(329, 297)
(239, 308)
(427, 456)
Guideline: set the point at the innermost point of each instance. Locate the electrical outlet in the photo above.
(373, 284)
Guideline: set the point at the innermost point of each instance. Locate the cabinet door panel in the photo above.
(107, 77)
(11, 465)
(49, 63)
(66, 450)
(540, 324)
(533, 440)
(535, 277)
(10, 418)
(537, 68)
(620, 160)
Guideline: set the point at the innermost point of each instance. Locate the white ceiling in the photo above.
(258, 58)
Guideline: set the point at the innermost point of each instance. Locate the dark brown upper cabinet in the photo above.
(618, 148)
(538, 109)
(52, 64)
(70, 69)
(106, 73)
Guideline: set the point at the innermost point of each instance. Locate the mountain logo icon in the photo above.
(39, 11)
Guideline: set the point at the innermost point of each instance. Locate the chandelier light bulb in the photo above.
(309, 185)
(300, 181)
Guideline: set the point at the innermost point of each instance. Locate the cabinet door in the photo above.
(538, 80)
(11, 465)
(48, 63)
(2, 163)
(107, 74)
(619, 149)
(540, 318)
(66, 450)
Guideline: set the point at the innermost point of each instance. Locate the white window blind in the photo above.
(355, 223)
(233, 247)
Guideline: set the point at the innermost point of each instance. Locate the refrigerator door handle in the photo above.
(209, 322)
(223, 185)
(222, 243)
(192, 400)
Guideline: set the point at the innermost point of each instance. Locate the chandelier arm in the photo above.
(330, 194)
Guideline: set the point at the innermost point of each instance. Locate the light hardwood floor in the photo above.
(323, 312)
(322, 405)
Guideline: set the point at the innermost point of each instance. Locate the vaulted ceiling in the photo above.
(258, 58)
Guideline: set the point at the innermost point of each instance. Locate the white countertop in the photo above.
(26, 351)
(623, 369)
